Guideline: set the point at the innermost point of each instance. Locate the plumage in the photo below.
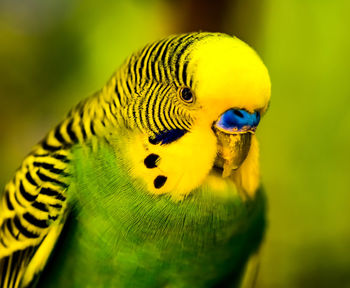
(142, 184)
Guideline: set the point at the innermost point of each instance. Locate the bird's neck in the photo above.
(105, 188)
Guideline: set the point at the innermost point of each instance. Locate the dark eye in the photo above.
(186, 95)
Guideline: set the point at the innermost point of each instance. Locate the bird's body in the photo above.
(129, 186)
(153, 241)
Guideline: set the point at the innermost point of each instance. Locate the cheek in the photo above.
(175, 169)
(189, 160)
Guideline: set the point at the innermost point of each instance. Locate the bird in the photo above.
(153, 181)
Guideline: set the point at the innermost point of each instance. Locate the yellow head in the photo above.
(175, 94)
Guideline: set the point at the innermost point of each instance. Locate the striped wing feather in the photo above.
(33, 206)
(33, 209)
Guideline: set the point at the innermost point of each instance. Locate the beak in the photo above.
(234, 130)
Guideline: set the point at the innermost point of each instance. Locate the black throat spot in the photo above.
(151, 161)
(159, 181)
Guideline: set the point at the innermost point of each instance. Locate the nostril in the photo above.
(238, 113)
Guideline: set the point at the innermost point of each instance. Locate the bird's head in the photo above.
(193, 104)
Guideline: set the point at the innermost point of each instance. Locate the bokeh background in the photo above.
(55, 52)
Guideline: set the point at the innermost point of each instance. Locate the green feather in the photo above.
(120, 236)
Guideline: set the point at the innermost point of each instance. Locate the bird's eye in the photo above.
(186, 95)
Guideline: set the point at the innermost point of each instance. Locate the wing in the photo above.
(251, 271)
(33, 210)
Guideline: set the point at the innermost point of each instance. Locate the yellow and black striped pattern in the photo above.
(34, 201)
(156, 110)
(36, 195)
(148, 85)
(12, 268)
(143, 94)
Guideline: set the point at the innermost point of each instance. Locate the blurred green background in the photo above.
(54, 53)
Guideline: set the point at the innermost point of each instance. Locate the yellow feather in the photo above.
(42, 254)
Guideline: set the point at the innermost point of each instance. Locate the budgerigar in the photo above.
(151, 182)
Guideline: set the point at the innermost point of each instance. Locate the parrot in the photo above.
(153, 181)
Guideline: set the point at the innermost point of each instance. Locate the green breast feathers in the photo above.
(151, 182)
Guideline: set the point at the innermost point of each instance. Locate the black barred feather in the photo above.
(12, 267)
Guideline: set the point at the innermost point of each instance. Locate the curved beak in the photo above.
(234, 130)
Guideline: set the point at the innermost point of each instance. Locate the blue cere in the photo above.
(235, 118)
